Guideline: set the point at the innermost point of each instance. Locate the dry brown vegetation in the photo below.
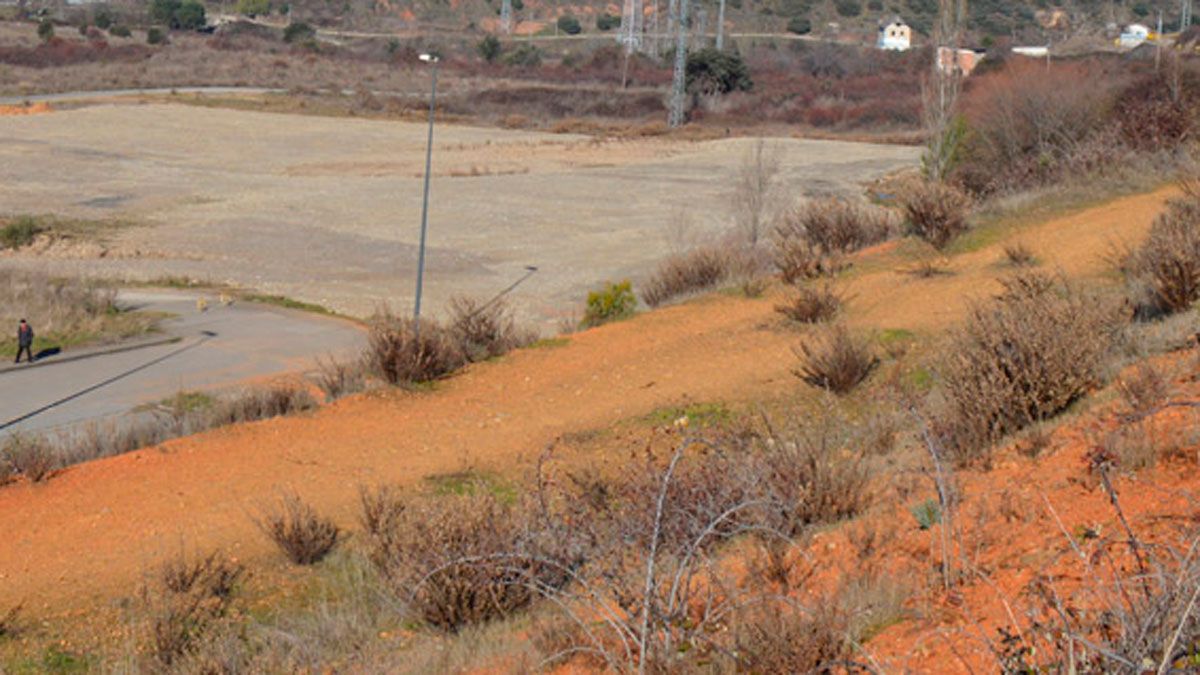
(836, 360)
(303, 535)
(811, 240)
(1166, 267)
(1022, 358)
(683, 273)
(936, 212)
(811, 304)
(63, 312)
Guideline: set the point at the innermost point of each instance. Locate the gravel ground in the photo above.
(327, 210)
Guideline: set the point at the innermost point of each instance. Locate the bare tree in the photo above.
(942, 90)
(755, 191)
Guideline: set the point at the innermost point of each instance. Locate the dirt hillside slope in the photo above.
(88, 534)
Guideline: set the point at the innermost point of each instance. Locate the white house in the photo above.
(895, 36)
(1032, 52)
(1133, 36)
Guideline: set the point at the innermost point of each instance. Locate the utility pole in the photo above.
(506, 17)
(721, 27)
(427, 58)
(679, 81)
(631, 25)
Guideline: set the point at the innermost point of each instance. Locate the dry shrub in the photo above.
(1022, 358)
(303, 535)
(402, 355)
(1031, 125)
(484, 330)
(190, 599)
(799, 259)
(1168, 262)
(683, 273)
(811, 304)
(336, 378)
(840, 225)
(811, 240)
(459, 560)
(29, 456)
(1019, 255)
(936, 212)
(780, 638)
(1144, 390)
(836, 360)
(814, 471)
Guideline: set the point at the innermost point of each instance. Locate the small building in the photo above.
(960, 60)
(1032, 52)
(895, 36)
(1133, 36)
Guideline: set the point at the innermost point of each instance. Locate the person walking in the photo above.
(24, 341)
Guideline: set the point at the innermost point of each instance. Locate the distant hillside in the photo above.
(1027, 21)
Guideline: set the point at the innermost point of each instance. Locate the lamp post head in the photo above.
(428, 58)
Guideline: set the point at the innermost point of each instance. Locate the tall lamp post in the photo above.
(427, 58)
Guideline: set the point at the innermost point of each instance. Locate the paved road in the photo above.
(220, 347)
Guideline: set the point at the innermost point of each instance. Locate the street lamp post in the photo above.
(427, 58)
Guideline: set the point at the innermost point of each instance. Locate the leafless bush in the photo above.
(1144, 390)
(1022, 358)
(459, 560)
(30, 456)
(835, 360)
(303, 535)
(1019, 255)
(811, 304)
(780, 638)
(403, 355)
(683, 273)
(339, 378)
(936, 212)
(1135, 610)
(1168, 263)
(483, 331)
(842, 226)
(811, 239)
(799, 259)
(189, 600)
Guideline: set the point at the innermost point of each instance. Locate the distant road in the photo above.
(219, 347)
(112, 93)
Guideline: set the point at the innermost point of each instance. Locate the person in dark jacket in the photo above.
(24, 341)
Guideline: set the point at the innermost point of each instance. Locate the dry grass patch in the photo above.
(63, 313)
(29, 456)
(190, 598)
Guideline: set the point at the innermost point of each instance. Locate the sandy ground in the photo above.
(327, 210)
(83, 539)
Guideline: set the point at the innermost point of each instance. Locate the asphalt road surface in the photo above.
(218, 348)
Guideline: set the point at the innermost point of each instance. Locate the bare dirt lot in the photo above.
(327, 210)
